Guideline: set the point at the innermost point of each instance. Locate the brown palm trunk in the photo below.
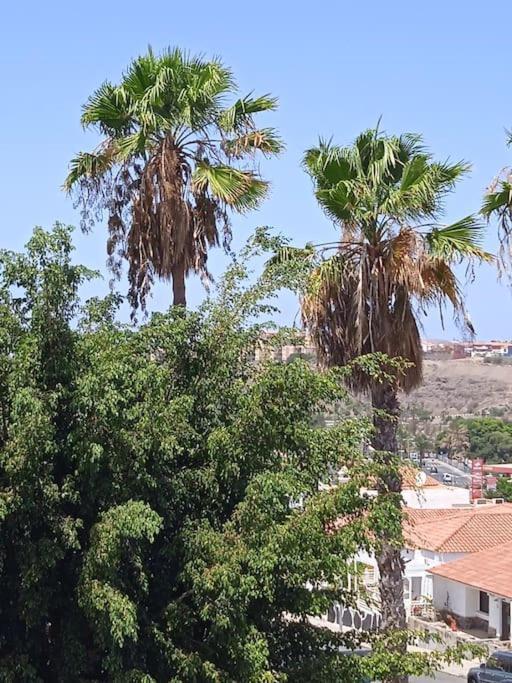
(178, 285)
(389, 561)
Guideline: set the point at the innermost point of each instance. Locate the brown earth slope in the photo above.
(463, 387)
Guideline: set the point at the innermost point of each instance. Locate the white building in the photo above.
(422, 491)
(434, 538)
(477, 590)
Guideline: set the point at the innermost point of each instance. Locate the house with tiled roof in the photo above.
(476, 589)
(437, 538)
(440, 527)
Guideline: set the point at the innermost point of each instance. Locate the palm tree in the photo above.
(498, 203)
(367, 289)
(174, 158)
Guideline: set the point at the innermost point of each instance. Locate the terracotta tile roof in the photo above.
(489, 570)
(458, 530)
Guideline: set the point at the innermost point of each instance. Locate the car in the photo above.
(497, 669)
(433, 469)
(447, 478)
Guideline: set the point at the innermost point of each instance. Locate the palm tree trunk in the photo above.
(178, 285)
(389, 561)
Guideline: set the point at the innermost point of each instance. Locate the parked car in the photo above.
(497, 669)
(447, 478)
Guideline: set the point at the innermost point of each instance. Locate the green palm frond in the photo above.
(131, 146)
(289, 254)
(458, 241)
(88, 165)
(241, 190)
(447, 174)
(328, 164)
(264, 140)
(239, 116)
(109, 107)
(143, 71)
(498, 200)
(413, 171)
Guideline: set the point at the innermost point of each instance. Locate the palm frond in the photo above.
(241, 190)
(264, 140)
(109, 109)
(328, 164)
(497, 200)
(88, 165)
(130, 146)
(239, 116)
(289, 254)
(459, 241)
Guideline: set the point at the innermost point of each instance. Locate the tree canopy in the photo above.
(485, 437)
(146, 480)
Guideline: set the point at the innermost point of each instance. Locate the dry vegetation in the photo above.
(464, 387)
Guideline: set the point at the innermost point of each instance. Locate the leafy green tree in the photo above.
(424, 444)
(503, 489)
(393, 260)
(146, 480)
(174, 159)
(489, 438)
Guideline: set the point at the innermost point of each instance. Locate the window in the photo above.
(484, 602)
(416, 587)
(369, 577)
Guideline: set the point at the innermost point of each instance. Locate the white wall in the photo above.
(416, 564)
(432, 497)
(450, 595)
(495, 614)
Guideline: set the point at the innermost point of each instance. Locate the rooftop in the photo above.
(413, 477)
(458, 530)
(488, 570)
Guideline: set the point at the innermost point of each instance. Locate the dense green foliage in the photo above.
(503, 489)
(145, 484)
(487, 437)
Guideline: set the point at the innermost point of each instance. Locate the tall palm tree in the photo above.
(367, 289)
(175, 157)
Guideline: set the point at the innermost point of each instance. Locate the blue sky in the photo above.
(439, 68)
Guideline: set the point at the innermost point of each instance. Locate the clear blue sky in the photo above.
(440, 68)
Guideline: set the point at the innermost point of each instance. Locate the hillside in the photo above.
(463, 387)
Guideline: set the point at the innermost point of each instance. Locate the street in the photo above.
(460, 478)
(440, 678)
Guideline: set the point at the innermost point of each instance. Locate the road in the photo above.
(459, 478)
(440, 678)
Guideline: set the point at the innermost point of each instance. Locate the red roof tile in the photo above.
(458, 530)
(489, 570)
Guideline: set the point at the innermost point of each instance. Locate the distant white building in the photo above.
(419, 490)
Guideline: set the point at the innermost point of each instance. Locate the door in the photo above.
(505, 620)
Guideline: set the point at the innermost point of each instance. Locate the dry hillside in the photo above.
(463, 387)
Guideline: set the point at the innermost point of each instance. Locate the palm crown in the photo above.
(393, 259)
(174, 158)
